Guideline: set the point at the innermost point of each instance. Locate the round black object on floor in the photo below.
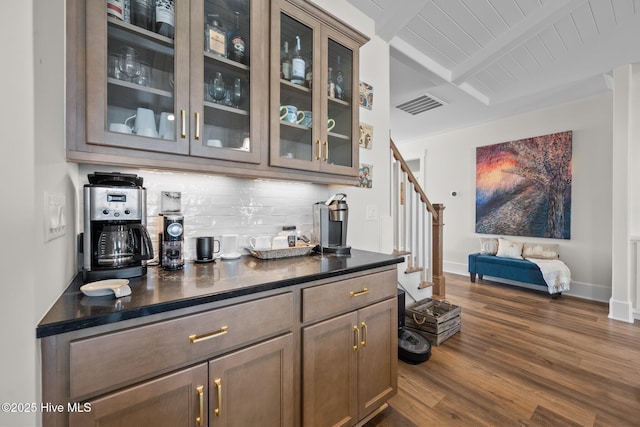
(413, 348)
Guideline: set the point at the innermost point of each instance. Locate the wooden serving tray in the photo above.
(281, 253)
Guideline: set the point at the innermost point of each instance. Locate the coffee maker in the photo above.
(330, 220)
(115, 242)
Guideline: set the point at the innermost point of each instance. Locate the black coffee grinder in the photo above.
(171, 240)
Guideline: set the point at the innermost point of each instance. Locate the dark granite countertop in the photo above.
(160, 291)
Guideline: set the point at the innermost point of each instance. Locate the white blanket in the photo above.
(555, 273)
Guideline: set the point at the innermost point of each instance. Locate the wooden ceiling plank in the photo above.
(527, 28)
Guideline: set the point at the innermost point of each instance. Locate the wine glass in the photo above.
(217, 89)
(237, 93)
(128, 64)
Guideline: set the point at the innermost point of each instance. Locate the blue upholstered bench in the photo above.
(519, 270)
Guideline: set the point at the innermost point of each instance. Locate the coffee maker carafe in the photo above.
(115, 242)
(330, 220)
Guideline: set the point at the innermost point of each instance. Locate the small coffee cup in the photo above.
(331, 124)
(119, 127)
(260, 242)
(206, 247)
(307, 118)
(279, 242)
(290, 113)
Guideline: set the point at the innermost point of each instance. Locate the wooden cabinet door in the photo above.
(378, 355)
(229, 119)
(137, 83)
(329, 141)
(254, 386)
(177, 399)
(329, 373)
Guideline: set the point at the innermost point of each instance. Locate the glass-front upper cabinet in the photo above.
(137, 89)
(228, 78)
(314, 109)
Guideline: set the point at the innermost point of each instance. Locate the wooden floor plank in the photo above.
(523, 359)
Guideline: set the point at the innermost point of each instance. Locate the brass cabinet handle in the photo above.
(197, 338)
(356, 336)
(319, 149)
(200, 418)
(364, 334)
(218, 384)
(326, 157)
(197, 133)
(183, 122)
(357, 294)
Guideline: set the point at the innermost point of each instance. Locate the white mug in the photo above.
(167, 128)
(119, 127)
(229, 243)
(145, 119)
(147, 132)
(260, 242)
(280, 242)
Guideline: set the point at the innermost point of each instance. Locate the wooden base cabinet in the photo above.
(173, 400)
(254, 386)
(349, 365)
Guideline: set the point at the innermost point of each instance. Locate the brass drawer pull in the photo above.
(197, 338)
(183, 124)
(200, 418)
(319, 149)
(197, 133)
(326, 157)
(218, 384)
(365, 334)
(357, 294)
(356, 336)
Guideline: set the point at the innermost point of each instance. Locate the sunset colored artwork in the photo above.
(523, 187)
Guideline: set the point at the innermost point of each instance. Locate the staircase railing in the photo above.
(418, 225)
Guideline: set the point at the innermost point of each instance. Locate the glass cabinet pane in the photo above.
(140, 82)
(339, 106)
(296, 106)
(227, 78)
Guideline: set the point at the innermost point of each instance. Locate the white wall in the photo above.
(450, 166)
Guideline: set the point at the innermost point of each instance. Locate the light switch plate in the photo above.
(372, 212)
(54, 216)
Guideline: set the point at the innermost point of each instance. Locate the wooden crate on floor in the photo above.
(435, 320)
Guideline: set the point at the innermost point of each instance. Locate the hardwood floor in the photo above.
(523, 359)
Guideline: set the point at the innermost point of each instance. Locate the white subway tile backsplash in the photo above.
(217, 205)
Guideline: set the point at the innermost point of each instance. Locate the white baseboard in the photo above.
(583, 290)
(621, 310)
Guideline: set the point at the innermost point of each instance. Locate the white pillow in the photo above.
(541, 250)
(488, 245)
(509, 249)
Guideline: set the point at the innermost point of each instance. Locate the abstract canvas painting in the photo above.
(523, 187)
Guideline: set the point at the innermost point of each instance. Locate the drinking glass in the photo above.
(237, 93)
(217, 89)
(144, 79)
(128, 64)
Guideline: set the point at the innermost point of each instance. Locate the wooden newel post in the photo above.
(437, 229)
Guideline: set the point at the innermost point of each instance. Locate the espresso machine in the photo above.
(115, 242)
(330, 220)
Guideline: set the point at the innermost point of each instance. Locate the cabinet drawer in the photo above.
(113, 360)
(337, 297)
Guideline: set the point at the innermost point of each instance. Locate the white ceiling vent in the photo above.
(420, 104)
